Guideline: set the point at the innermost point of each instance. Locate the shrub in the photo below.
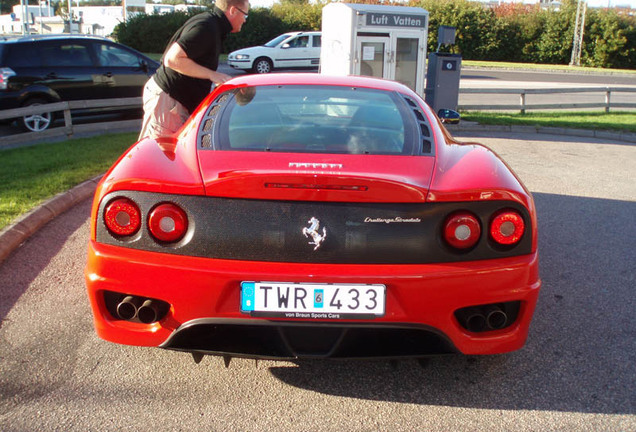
(523, 33)
(150, 33)
(609, 40)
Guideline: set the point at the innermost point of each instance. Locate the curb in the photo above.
(628, 137)
(19, 231)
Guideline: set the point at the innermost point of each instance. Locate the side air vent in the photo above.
(205, 135)
(427, 146)
(207, 126)
(206, 141)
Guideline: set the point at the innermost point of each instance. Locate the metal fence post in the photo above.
(522, 101)
(608, 94)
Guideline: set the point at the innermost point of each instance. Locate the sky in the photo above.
(590, 3)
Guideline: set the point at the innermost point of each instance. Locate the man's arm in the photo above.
(177, 59)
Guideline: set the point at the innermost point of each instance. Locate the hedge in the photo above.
(509, 32)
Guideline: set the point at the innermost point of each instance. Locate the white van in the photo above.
(289, 50)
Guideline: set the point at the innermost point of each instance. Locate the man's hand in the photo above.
(177, 59)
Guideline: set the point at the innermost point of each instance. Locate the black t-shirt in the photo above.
(201, 37)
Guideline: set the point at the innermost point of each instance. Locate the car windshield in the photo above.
(315, 119)
(277, 40)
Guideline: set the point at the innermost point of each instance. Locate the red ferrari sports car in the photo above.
(307, 216)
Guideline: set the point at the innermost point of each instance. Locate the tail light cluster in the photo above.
(167, 222)
(122, 217)
(5, 74)
(462, 229)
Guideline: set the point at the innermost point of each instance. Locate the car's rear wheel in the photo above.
(262, 65)
(36, 122)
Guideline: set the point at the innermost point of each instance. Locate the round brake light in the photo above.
(168, 222)
(122, 217)
(507, 227)
(462, 230)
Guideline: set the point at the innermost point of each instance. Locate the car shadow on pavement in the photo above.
(39, 250)
(581, 351)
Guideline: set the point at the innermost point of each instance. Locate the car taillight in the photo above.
(122, 217)
(5, 74)
(462, 230)
(168, 222)
(507, 227)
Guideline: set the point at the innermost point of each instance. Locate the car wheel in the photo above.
(36, 122)
(262, 65)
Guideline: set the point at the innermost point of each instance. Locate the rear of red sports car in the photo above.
(303, 216)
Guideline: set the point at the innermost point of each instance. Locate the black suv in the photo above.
(40, 69)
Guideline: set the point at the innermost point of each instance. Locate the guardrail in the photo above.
(113, 104)
(607, 104)
(69, 129)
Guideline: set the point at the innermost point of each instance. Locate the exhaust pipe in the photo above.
(473, 320)
(127, 308)
(148, 312)
(496, 317)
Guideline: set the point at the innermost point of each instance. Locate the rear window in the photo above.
(66, 54)
(19, 55)
(313, 119)
(114, 56)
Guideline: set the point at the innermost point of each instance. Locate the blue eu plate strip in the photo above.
(247, 296)
(319, 298)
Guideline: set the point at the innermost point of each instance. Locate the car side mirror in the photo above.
(144, 66)
(448, 116)
(285, 46)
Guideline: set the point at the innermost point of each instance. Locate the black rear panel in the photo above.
(283, 340)
(347, 233)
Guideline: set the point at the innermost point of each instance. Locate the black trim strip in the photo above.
(307, 340)
(356, 233)
(298, 59)
(372, 34)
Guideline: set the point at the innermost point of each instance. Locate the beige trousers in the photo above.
(163, 115)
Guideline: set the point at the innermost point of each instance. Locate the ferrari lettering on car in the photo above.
(309, 216)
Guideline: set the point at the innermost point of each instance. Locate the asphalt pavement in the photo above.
(577, 371)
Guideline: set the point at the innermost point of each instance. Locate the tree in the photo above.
(6, 7)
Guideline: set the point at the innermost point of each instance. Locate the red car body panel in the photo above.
(385, 178)
(425, 294)
(417, 294)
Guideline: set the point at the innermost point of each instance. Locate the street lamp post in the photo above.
(24, 4)
(70, 17)
(579, 27)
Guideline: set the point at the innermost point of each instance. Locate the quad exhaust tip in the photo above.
(134, 308)
(488, 317)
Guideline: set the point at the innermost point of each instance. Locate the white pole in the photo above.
(25, 16)
(70, 17)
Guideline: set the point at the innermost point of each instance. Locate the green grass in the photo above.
(30, 175)
(545, 67)
(617, 121)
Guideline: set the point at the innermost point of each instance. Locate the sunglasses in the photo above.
(242, 11)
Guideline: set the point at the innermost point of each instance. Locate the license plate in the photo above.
(313, 301)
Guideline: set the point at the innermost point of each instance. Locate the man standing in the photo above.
(188, 68)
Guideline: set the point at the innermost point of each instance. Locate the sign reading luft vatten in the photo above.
(395, 20)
